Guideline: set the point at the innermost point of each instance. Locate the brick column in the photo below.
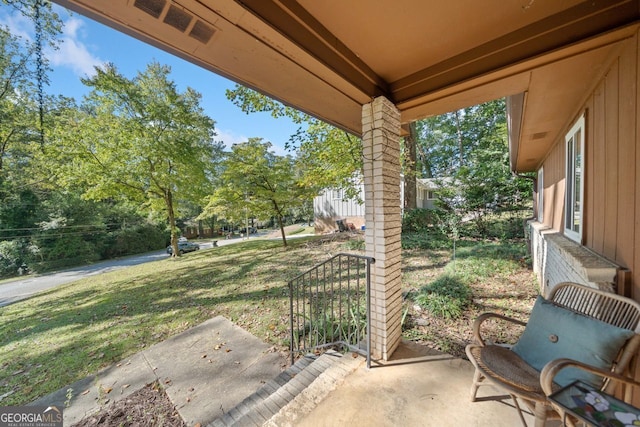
(381, 154)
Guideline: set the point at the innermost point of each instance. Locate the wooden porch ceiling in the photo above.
(330, 57)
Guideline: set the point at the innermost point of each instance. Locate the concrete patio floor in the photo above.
(418, 387)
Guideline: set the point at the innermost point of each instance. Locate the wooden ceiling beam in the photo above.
(575, 24)
(292, 21)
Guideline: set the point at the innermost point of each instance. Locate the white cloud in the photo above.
(18, 25)
(73, 53)
(229, 137)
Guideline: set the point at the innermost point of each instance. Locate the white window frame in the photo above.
(574, 181)
(541, 195)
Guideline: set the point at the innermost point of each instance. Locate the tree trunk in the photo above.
(200, 229)
(172, 223)
(410, 186)
(280, 223)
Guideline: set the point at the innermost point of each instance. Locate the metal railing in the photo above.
(330, 306)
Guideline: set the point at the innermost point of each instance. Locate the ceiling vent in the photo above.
(178, 18)
(202, 32)
(151, 7)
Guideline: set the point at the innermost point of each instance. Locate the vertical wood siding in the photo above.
(611, 223)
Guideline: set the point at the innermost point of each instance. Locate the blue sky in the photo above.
(87, 44)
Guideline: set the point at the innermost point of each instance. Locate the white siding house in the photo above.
(331, 206)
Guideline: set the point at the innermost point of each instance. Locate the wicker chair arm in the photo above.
(552, 368)
(477, 324)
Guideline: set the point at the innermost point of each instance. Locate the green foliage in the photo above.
(469, 147)
(257, 183)
(480, 261)
(419, 220)
(62, 250)
(426, 240)
(138, 140)
(12, 258)
(136, 239)
(326, 156)
(446, 297)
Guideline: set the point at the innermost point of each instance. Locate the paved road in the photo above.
(18, 289)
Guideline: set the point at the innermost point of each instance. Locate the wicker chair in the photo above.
(516, 373)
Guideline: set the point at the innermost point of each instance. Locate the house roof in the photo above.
(330, 57)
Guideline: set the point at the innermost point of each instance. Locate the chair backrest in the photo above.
(608, 307)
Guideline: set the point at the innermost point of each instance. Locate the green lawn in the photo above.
(67, 333)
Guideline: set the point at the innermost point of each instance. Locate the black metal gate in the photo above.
(330, 306)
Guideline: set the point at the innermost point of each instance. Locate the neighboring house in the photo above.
(331, 206)
(427, 191)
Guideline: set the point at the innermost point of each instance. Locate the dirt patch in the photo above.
(512, 296)
(148, 407)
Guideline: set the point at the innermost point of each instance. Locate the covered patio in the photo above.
(372, 68)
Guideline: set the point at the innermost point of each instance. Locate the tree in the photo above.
(23, 73)
(327, 157)
(139, 140)
(259, 183)
(409, 167)
(470, 147)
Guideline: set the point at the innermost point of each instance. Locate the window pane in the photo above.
(568, 219)
(577, 204)
(574, 180)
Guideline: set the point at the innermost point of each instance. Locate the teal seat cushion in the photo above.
(554, 332)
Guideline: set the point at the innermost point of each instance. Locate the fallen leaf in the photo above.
(204, 356)
(84, 392)
(126, 386)
(107, 389)
(228, 350)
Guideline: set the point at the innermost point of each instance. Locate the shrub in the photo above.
(133, 240)
(446, 297)
(418, 220)
(11, 258)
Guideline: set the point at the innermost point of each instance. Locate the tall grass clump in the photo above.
(445, 297)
